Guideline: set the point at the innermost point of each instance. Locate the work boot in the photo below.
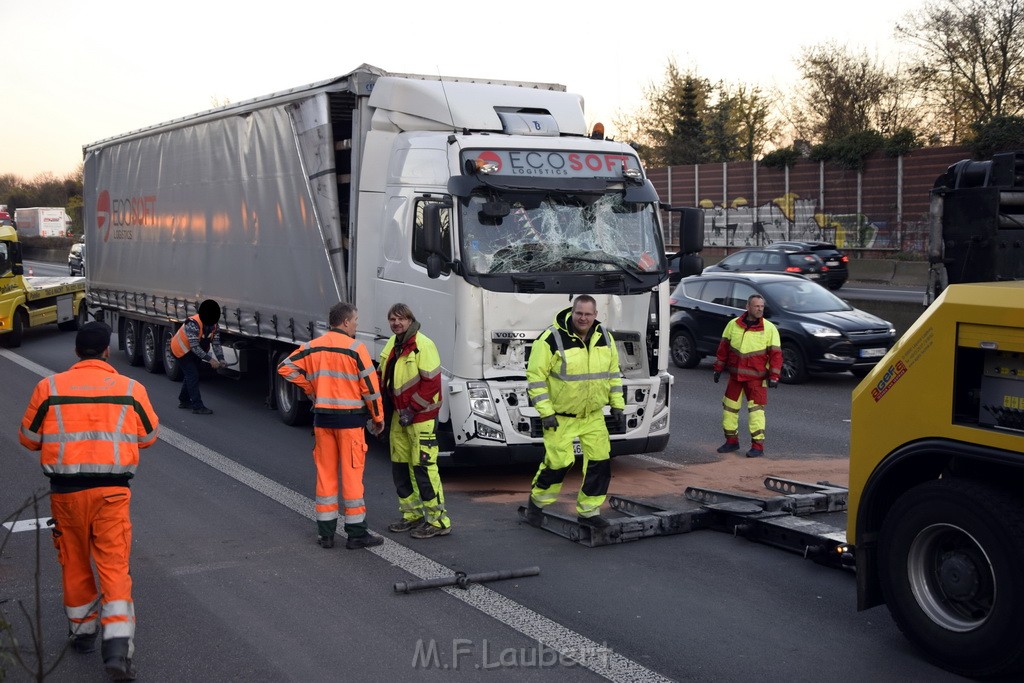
(366, 541)
(404, 525)
(729, 447)
(427, 530)
(184, 406)
(325, 541)
(597, 521)
(84, 642)
(756, 451)
(202, 410)
(119, 669)
(534, 514)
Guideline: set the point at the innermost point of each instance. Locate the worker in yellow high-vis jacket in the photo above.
(573, 374)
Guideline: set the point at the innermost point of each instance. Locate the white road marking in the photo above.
(596, 657)
(27, 524)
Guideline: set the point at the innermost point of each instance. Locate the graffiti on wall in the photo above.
(789, 217)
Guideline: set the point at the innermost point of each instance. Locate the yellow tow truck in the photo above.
(27, 302)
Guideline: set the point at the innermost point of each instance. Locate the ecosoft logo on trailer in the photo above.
(121, 216)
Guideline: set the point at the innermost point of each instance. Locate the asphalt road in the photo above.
(230, 585)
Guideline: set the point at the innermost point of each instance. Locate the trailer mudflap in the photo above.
(782, 521)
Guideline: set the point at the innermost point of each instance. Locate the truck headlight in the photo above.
(662, 399)
(480, 401)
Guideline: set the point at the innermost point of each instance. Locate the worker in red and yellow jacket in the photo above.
(336, 372)
(196, 341)
(751, 352)
(410, 370)
(88, 424)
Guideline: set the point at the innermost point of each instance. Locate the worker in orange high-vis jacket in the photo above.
(751, 352)
(88, 424)
(410, 370)
(196, 341)
(337, 373)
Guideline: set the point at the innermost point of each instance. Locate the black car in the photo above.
(819, 331)
(836, 260)
(772, 259)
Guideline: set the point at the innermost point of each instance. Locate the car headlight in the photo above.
(821, 330)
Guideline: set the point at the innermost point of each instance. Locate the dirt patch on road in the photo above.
(649, 480)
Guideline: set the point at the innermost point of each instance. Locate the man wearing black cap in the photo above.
(197, 340)
(88, 424)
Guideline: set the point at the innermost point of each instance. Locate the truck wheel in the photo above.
(950, 556)
(133, 342)
(794, 367)
(171, 365)
(12, 339)
(292, 409)
(683, 349)
(153, 348)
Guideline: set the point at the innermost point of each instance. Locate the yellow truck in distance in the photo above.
(936, 497)
(27, 302)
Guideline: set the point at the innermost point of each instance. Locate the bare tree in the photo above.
(842, 93)
(969, 62)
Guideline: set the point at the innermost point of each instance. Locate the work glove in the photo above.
(618, 418)
(405, 416)
(549, 422)
(375, 428)
(772, 383)
(718, 376)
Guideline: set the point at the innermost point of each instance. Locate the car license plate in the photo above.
(832, 264)
(872, 353)
(814, 276)
(577, 448)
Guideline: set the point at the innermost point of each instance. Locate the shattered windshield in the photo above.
(556, 233)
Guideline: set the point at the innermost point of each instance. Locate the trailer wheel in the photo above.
(950, 557)
(293, 410)
(12, 339)
(133, 342)
(794, 367)
(153, 348)
(171, 365)
(683, 350)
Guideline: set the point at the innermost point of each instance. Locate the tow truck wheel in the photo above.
(133, 342)
(171, 365)
(12, 339)
(153, 348)
(794, 367)
(292, 409)
(683, 349)
(950, 556)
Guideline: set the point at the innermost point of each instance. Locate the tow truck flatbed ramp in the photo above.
(783, 521)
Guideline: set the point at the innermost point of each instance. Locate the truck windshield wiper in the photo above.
(619, 261)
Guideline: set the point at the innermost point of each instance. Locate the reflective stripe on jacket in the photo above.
(568, 376)
(337, 371)
(417, 376)
(89, 420)
(750, 352)
(191, 336)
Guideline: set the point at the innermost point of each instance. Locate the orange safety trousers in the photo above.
(94, 526)
(340, 453)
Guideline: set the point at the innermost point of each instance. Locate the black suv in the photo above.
(836, 260)
(819, 331)
(773, 259)
(76, 259)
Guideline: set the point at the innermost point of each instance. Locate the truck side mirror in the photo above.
(434, 265)
(431, 237)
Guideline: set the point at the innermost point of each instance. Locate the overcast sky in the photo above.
(78, 71)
